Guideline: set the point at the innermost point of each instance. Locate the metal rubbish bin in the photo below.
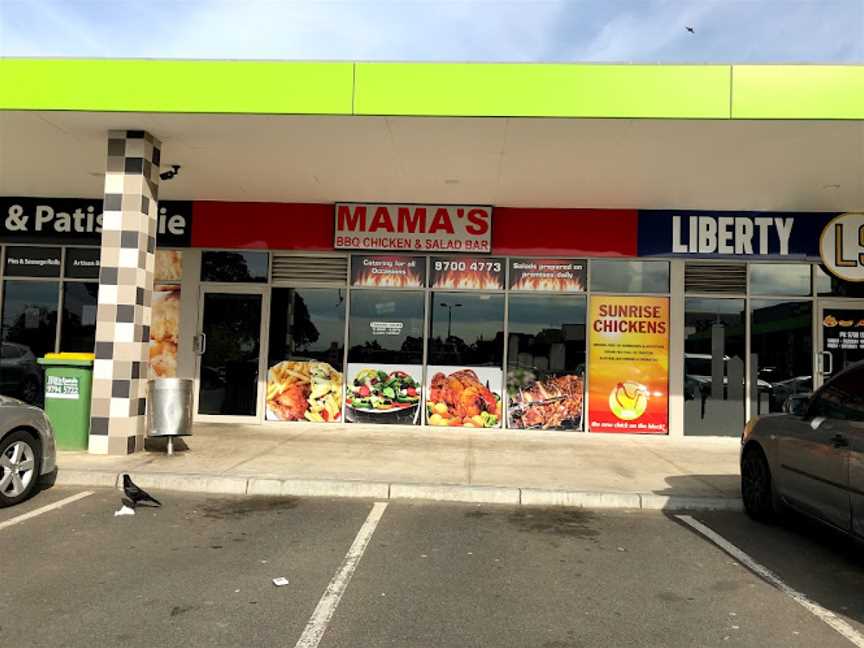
(169, 409)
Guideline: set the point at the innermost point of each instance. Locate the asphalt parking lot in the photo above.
(199, 570)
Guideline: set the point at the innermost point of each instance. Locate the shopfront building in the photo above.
(545, 247)
(600, 321)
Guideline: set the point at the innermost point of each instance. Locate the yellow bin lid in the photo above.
(70, 356)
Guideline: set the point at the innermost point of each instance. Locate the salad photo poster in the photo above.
(464, 396)
(628, 364)
(383, 393)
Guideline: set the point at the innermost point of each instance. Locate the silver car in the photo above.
(27, 449)
(810, 459)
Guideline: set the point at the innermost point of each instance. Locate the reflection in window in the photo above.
(714, 352)
(781, 343)
(466, 329)
(386, 326)
(229, 266)
(842, 398)
(28, 333)
(630, 276)
(78, 331)
(828, 285)
(780, 279)
(546, 361)
(307, 324)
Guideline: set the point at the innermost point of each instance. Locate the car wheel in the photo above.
(756, 486)
(19, 467)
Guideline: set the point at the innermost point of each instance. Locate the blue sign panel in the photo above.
(743, 235)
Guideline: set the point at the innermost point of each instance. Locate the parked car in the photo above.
(20, 374)
(27, 449)
(811, 458)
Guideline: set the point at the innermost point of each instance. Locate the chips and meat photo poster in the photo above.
(165, 314)
(304, 390)
(464, 396)
(628, 364)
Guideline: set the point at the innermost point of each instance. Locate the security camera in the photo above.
(173, 171)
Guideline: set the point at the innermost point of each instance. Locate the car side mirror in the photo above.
(797, 405)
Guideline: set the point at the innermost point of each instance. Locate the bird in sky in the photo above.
(137, 495)
(690, 29)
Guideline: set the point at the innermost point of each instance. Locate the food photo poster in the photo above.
(383, 393)
(544, 400)
(464, 396)
(304, 390)
(628, 360)
(165, 314)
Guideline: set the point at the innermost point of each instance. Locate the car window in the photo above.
(842, 397)
(11, 351)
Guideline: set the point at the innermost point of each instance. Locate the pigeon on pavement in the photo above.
(135, 494)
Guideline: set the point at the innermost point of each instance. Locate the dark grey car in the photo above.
(27, 449)
(812, 458)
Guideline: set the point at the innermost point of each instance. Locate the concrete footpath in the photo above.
(500, 467)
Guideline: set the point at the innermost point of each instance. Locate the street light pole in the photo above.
(450, 317)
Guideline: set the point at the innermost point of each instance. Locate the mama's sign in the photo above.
(421, 228)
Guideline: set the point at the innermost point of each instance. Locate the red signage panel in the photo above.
(565, 232)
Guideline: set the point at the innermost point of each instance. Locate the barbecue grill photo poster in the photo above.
(544, 400)
(628, 364)
(464, 396)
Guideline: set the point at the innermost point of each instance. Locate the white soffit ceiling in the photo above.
(601, 163)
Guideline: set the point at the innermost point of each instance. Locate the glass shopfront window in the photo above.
(78, 328)
(781, 348)
(830, 286)
(466, 329)
(28, 332)
(386, 326)
(714, 362)
(384, 376)
(234, 266)
(307, 332)
(629, 276)
(546, 361)
(780, 279)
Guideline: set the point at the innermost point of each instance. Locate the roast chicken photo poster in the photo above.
(628, 364)
(464, 396)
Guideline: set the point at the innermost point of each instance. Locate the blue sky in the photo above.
(746, 31)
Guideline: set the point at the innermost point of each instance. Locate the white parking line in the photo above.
(320, 618)
(814, 608)
(44, 509)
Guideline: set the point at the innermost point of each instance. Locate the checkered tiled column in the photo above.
(125, 288)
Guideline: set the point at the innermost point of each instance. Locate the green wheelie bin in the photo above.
(68, 384)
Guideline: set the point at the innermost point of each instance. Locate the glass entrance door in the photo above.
(841, 329)
(228, 345)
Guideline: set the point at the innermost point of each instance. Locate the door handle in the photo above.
(839, 441)
(827, 367)
(201, 343)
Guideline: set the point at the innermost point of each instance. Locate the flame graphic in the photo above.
(470, 279)
(548, 283)
(408, 279)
